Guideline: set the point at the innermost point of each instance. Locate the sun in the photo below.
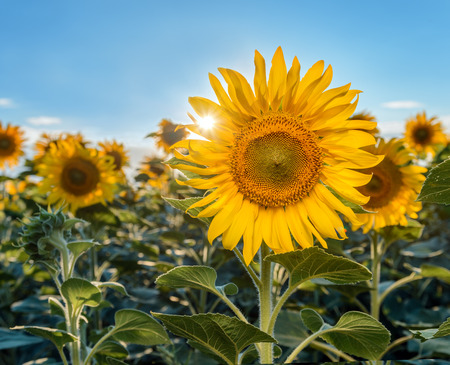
(273, 156)
(11, 143)
(207, 122)
(77, 176)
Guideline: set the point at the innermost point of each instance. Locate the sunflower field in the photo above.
(277, 227)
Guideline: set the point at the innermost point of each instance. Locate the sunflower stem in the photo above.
(376, 255)
(265, 305)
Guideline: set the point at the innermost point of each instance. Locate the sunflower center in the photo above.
(117, 159)
(422, 135)
(79, 176)
(7, 145)
(384, 185)
(275, 160)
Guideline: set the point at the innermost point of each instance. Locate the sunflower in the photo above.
(118, 153)
(169, 134)
(272, 155)
(77, 176)
(46, 140)
(364, 115)
(424, 135)
(393, 188)
(154, 172)
(11, 140)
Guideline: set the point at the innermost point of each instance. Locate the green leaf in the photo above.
(56, 307)
(311, 319)
(358, 334)
(80, 292)
(12, 339)
(184, 204)
(436, 188)
(113, 349)
(79, 247)
(58, 337)
(411, 232)
(429, 334)
(432, 271)
(444, 329)
(314, 263)
(223, 336)
(111, 284)
(112, 361)
(195, 277)
(137, 327)
(289, 329)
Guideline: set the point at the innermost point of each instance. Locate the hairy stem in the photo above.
(265, 305)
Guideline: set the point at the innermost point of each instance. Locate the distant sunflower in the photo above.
(46, 140)
(393, 187)
(11, 141)
(270, 154)
(154, 172)
(77, 176)
(117, 152)
(424, 135)
(168, 134)
(364, 115)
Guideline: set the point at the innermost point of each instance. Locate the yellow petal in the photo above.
(224, 218)
(277, 79)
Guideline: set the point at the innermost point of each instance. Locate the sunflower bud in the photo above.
(45, 236)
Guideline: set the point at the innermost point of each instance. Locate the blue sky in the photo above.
(114, 69)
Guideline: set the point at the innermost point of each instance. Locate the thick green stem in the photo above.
(265, 305)
(63, 357)
(375, 251)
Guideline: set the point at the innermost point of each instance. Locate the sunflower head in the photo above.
(424, 135)
(169, 134)
(77, 175)
(273, 154)
(393, 187)
(154, 172)
(117, 152)
(11, 141)
(46, 140)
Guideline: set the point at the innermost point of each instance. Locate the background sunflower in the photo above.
(11, 141)
(393, 187)
(424, 135)
(77, 176)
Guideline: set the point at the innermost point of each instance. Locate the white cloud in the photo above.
(445, 119)
(402, 104)
(391, 129)
(6, 103)
(44, 120)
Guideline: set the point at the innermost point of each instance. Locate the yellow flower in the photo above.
(46, 140)
(11, 140)
(118, 153)
(271, 153)
(423, 134)
(155, 172)
(393, 188)
(364, 115)
(169, 134)
(77, 176)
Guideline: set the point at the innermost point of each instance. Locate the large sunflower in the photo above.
(77, 176)
(424, 135)
(169, 134)
(271, 154)
(11, 140)
(393, 188)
